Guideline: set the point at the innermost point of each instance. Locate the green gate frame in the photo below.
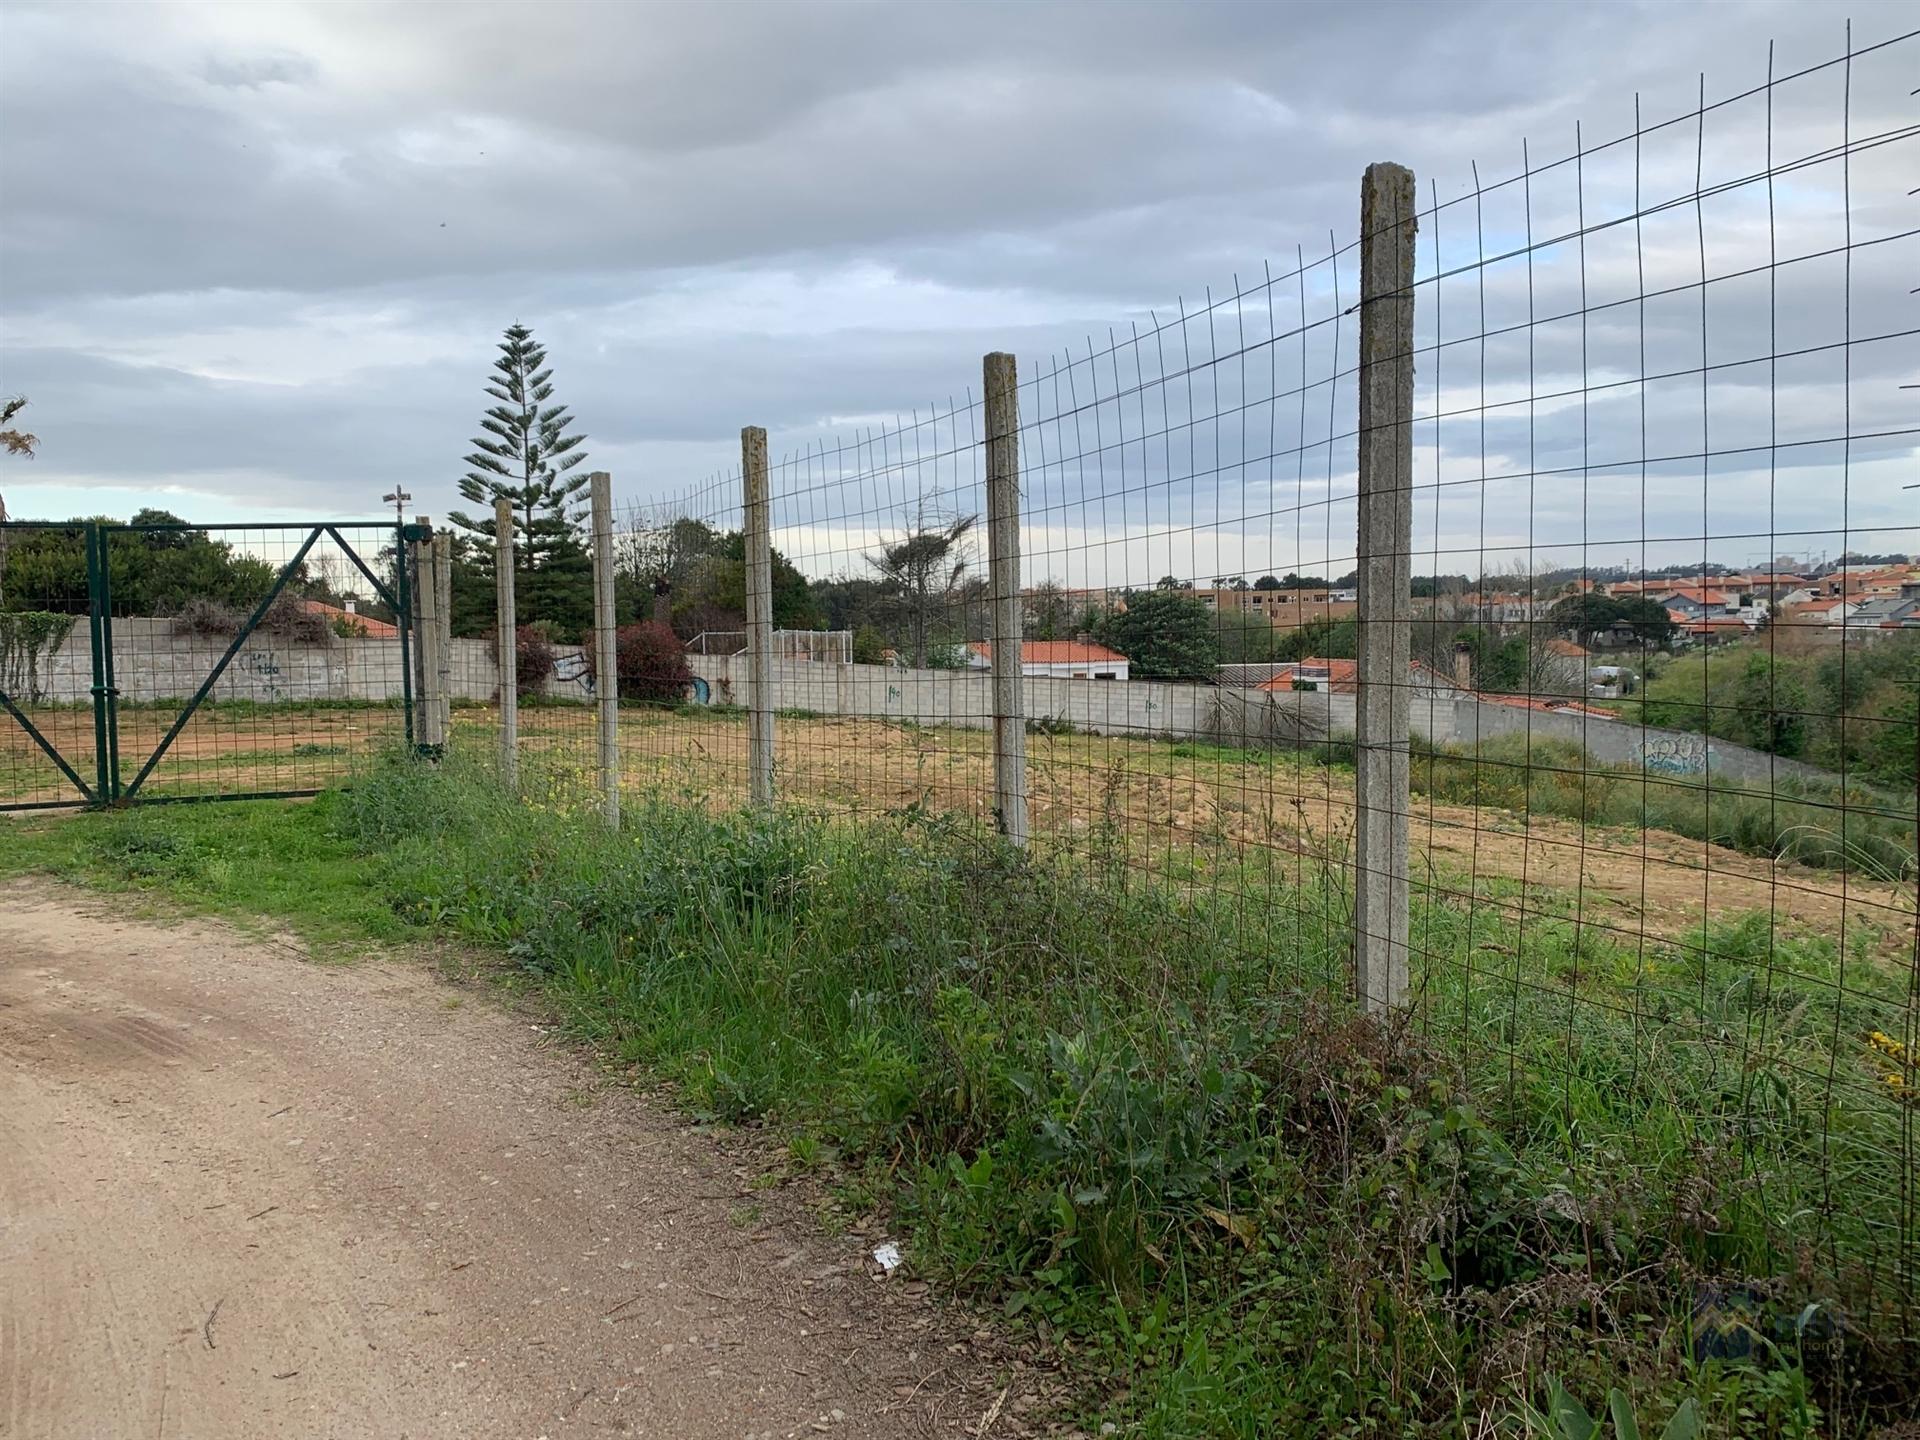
(107, 789)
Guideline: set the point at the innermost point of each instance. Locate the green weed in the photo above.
(1141, 1118)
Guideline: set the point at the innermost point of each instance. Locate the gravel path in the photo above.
(244, 1194)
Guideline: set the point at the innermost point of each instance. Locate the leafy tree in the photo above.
(530, 454)
(1246, 639)
(152, 572)
(1048, 614)
(1651, 623)
(1167, 634)
(658, 562)
(1267, 582)
(1594, 614)
(1768, 705)
(1891, 747)
(1583, 615)
(925, 568)
(869, 646)
(1500, 662)
(856, 602)
(1324, 639)
(714, 594)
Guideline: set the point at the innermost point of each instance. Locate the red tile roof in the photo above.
(1699, 594)
(1341, 677)
(1054, 652)
(371, 629)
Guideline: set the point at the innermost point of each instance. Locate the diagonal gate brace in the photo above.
(73, 777)
(206, 686)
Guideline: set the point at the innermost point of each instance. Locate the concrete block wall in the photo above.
(1223, 714)
(152, 662)
(1467, 723)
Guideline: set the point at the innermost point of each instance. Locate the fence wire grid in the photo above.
(1659, 644)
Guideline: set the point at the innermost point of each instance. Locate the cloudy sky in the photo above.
(253, 260)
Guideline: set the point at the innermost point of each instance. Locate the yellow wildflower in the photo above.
(1887, 1045)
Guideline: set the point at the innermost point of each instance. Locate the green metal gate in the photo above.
(215, 662)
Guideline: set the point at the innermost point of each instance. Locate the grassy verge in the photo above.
(283, 864)
(1139, 1118)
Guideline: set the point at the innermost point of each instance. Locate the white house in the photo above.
(1057, 659)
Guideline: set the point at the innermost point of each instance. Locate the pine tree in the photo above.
(531, 455)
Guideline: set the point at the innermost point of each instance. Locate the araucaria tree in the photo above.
(530, 453)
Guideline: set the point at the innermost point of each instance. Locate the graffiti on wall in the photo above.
(572, 670)
(264, 668)
(1677, 754)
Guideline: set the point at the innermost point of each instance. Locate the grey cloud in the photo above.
(255, 71)
(1082, 165)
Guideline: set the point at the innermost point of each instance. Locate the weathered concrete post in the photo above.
(416, 568)
(443, 577)
(427, 632)
(1002, 397)
(606, 665)
(507, 633)
(759, 538)
(1385, 610)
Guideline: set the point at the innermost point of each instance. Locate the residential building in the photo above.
(1057, 659)
(1884, 612)
(1282, 609)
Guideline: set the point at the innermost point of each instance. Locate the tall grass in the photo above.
(1145, 1122)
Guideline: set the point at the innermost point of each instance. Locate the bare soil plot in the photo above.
(1162, 805)
(222, 749)
(246, 1195)
(1183, 812)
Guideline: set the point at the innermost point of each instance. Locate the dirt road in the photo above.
(243, 1194)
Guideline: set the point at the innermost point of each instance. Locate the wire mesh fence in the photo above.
(1637, 609)
(164, 661)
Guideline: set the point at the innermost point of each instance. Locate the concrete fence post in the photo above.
(1385, 610)
(1002, 397)
(443, 577)
(427, 633)
(507, 635)
(759, 544)
(417, 572)
(606, 652)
